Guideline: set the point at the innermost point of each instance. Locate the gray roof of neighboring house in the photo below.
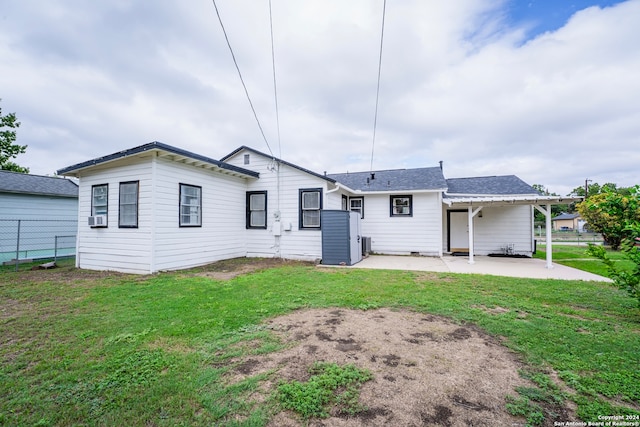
(157, 146)
(244, 147)
(22, 183)
(496, 185)
(394, 180)
(565, 215)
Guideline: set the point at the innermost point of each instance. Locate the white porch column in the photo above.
(470, 226)
(549, 244)
(549, 238)
(471, 214)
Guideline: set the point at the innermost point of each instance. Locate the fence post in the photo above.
(18, 245)
(55, 249)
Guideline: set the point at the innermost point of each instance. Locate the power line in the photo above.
(241, 79)
(375, 117)
(275, 86)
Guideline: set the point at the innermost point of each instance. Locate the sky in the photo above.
(547, 90)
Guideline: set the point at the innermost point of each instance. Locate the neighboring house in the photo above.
(24, 196)
(568, 222)
(36, 208)
(157, 207)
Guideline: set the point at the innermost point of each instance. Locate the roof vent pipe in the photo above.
(373, 176)
(441, 165)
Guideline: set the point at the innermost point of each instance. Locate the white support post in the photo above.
(470, 219)
(549, 238)
(549, 244)
(472, 213)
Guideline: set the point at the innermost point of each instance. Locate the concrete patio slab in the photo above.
(511, 267)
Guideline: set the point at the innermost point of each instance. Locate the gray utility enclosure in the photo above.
(341, 237)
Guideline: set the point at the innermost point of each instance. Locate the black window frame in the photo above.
(345, 203)
(301, 210)
(93, 206)
(361, 198)
(392, 205)
(120, 225)
(248, 224)
(180, 224)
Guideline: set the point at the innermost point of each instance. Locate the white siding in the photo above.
(501, 226)
(26, 206)
(222, 234)
(398, 235)
(113, 248)
(294, 243)
(159, 243)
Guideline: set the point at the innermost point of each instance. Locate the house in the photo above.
(38, 209)
(568, 222)
(157, 207)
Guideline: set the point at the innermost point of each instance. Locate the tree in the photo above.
(612, 214)
(626, 280)
(8, 148)
(596, 188)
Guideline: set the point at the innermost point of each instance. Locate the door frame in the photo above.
(465, 211)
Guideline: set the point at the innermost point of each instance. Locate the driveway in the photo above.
(512, 267)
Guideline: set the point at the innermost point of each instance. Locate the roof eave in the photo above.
(397, 191)
(74, 170)
(284, 162)
(510, 200)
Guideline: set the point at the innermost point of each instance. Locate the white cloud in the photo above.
(459, 84)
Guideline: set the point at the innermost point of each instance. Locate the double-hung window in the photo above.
(256, 209)
(356, 204)
(99, 199)
(401, 205)
(190, 205)
(128, 209)
(310, 207)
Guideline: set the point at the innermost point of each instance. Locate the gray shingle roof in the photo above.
(565, 215)
(394, 180)
(12, 182)
(496, 185)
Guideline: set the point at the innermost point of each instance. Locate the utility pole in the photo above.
(586, 187)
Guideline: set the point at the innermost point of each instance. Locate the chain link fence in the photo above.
(25, 240)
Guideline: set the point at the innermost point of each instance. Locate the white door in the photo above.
(355, 238)
(458, 232)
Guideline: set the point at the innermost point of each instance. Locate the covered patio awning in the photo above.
(474, 205)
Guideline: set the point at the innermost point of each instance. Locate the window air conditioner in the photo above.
(98, 221)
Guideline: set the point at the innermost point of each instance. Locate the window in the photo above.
(310, 206)
(344, 202)
(99, 199)
(356, 204)
(190, 206)
(401, 205)
(128, 210)
(247, 159)
(257, 209)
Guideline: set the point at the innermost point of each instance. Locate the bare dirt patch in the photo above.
(228, 269)
(426, 369)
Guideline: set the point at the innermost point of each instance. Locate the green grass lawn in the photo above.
(576, 257)
(94, 348)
